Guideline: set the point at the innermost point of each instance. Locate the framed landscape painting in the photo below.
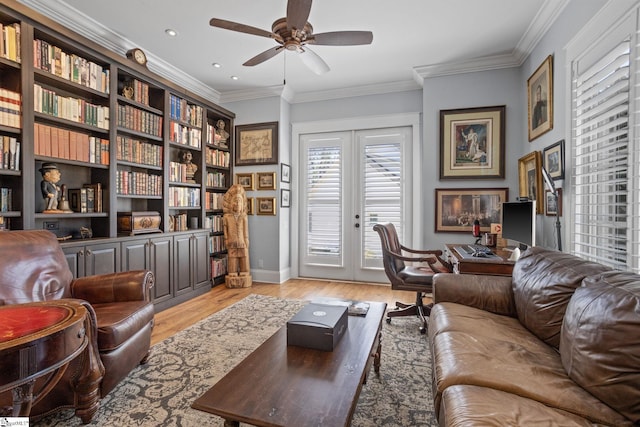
(457, 209)
(472, 143)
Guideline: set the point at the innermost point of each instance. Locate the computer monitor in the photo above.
(519, 222)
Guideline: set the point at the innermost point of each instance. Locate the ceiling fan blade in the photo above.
(342, 38)
(313, 61)
(260, 58)
(241, 28)
(298, 13)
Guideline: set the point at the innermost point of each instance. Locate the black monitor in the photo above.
(519, 222)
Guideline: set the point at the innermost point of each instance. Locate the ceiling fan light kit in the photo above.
(294, 33)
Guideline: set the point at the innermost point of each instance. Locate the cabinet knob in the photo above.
(88, 252)
(80, 253)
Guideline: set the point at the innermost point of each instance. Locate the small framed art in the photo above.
(540, 99)
(266, 180)
(250, 206)
(257, 144)
(551, 207)
(530, 179)
(457, 209)
(285, 198)
(285, 172)
(266, 205)
(246, 180)
(553, 160)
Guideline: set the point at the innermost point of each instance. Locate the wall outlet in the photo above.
(50, 225)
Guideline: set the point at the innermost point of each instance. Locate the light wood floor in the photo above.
(179, 317)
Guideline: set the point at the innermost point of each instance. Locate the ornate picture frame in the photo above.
(246, 180)
(250, 208)
(266, 180)
(472, 143)
(266, 205)
(530, 179)
(540, 99)
(457, 208)
(553, 160)
(257, 144)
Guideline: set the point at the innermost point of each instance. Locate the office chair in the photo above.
(409, 278)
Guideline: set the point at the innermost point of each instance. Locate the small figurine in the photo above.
(49, 186)
(191, 168)
(221, 134)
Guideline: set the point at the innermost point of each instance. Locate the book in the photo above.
(354, 307)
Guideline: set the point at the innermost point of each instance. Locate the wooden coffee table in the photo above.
(280, 385)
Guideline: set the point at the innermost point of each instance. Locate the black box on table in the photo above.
(317, 326)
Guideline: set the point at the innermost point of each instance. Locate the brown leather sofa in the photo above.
(33, 268)
(558, 343)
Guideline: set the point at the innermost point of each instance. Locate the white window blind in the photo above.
(603, 226)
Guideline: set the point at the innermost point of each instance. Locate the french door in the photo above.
(352, 180)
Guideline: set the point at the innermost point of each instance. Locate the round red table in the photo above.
(36, 340)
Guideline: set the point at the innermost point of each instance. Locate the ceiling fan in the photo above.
(294, 33)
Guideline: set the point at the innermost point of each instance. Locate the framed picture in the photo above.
(257, 144)
(285, 198)
(266, 180)
(246, 180)
(266, 205)
(250, 208)
(530, 179)
(551, 207)
(285, 172)
(540, 99)
(472, 143)
(553, 160)
(457, 209)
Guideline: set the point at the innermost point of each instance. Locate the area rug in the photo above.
(183, 367)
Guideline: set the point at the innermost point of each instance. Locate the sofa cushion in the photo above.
(600, 341)
(543, 282)
(119, 322)
(475, 347)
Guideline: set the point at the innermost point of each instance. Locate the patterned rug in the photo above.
(183, 367)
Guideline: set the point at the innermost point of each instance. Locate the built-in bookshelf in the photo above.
(117, 132)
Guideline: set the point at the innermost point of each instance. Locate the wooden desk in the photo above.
(39, 340)
(280, 385)
(497, 266)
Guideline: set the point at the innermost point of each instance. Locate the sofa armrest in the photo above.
(114, 287)
(489, 293)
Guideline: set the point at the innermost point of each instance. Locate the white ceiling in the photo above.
(412, 39)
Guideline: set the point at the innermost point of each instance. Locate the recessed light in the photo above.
(170, 32)
(216, 65)
(235, 78)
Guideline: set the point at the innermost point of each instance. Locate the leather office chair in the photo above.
(407, 277)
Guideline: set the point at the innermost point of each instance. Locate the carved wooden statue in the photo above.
(236, 237)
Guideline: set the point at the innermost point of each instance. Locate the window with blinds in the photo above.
(603, 174)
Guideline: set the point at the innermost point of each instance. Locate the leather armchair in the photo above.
(33, 268)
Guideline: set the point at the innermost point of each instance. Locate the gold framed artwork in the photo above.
(257, 144)
(540, 99)
(472, 143)
(250, 208)
(530, 179)
(266, 205)
(246, 181)
(266, 180)
(457, 209)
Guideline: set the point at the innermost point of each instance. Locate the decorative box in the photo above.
(132, 223)
(317, 326)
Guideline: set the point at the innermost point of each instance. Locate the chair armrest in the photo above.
(114, 287)
(485, 292)
(436, 256)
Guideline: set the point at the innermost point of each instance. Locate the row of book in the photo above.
(178, 222)
(132, 183)
(77, 110)
(10, 47)
(69, 66)
(216, 179)
(183, 197)
(213, 201)
(66, 144)
(216, 244)
(86, 199)
(136, 151)
(138, 90)
(214, 223)
(178, 172)
(218, 266)
(9, 153)
(181, 134)
(215, 157)
(6, 196)
(10, 108)
(180, 109)
(139, 120)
